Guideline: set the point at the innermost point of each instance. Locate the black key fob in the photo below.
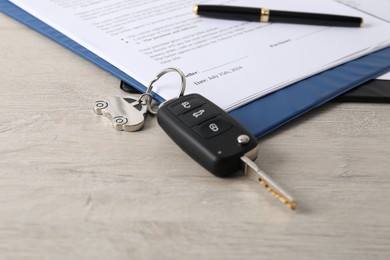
(207, 133)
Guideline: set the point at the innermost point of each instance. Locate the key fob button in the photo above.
(213, 127)
(198, 115)
(185, 105)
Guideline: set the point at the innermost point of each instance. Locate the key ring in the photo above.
(148, 96)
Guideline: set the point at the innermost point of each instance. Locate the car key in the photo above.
(215, 140)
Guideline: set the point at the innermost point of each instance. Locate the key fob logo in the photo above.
(213, 127)
(198, 114)
(186, 104)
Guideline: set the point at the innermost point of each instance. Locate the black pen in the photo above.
(266, 15)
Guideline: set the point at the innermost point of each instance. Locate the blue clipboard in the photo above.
(264, 114)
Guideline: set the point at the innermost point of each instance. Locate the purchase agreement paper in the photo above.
(229, 62)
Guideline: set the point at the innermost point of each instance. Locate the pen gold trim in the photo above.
(264, 15)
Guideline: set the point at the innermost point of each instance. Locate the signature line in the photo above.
(225, 64)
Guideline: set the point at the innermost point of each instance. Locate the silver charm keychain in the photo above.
(128, 114)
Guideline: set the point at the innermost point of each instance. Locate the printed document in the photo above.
(385, 76)
(378, 8)
(229, 62)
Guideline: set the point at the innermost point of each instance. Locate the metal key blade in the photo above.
(256, 174)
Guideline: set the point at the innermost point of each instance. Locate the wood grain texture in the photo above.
(73, 188)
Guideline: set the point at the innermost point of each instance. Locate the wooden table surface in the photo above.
(71, 187)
